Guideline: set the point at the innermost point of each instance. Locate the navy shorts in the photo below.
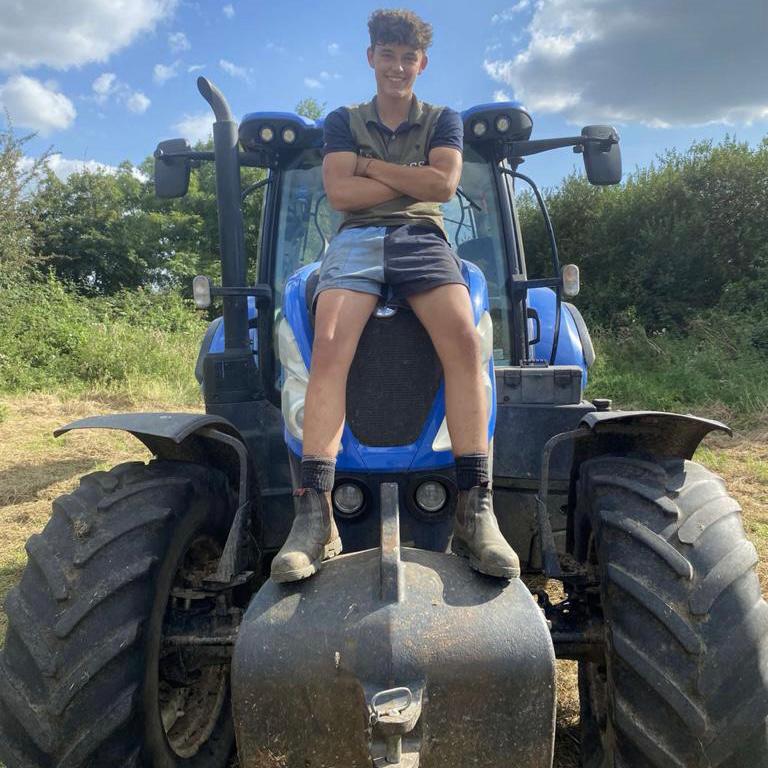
(390, 262)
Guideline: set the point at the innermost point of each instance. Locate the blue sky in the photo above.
(103, 81)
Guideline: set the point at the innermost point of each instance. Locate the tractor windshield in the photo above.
(307, 222)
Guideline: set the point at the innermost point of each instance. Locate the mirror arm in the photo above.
(170, 157)
(253, 187)
(524, 148)
(260, 291)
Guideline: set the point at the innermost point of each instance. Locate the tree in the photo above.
(310, 108)
(105, 232)
(18, 178)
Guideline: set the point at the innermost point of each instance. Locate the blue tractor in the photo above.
(145, 630)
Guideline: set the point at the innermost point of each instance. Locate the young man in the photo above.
(388, 165)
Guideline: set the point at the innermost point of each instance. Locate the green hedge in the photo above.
(138, 343)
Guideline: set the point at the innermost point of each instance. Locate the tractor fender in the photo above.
(194, 437)
(651, 432)
(624, 433)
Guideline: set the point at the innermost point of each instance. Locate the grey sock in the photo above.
(318, 473)
(472, 470)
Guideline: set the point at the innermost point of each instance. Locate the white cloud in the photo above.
(228, 10)
(334, 49)
(34, 105)
(275, 48)
(104, 85)
(107, 86)
(501, 95)
(70, 33)
(178, 42)
(311, 82)
(138, 103)
(195, 67)
(510, 13)
(325, 75)
(644, 61)
(161, 73)
(64, 167)
(196, 128)
(233, 70)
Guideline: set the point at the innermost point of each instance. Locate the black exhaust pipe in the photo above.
(231, 236)
(229, 377)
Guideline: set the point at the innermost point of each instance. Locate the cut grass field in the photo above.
(35, 468)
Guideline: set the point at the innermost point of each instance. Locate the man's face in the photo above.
(396, 67)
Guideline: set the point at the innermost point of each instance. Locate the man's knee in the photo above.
(329, 352)
(461, 346)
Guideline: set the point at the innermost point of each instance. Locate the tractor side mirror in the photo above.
(172, 168)
(602, 160)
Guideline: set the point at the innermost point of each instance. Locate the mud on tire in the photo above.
(685, 678)
(79, 682)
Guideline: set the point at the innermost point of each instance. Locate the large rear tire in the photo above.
(84, 677)
(684, 682)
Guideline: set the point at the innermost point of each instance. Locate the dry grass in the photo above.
(35, 468)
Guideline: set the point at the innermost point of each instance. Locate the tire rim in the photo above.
(189, 713)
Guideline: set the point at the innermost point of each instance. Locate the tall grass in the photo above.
(714, 369)
(142, 347)
(138, 344)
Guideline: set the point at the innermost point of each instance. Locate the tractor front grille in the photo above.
(393, 381)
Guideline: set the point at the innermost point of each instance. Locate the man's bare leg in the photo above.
(446, 313)
(340, 318)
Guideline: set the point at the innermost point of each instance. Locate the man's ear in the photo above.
(424, 62)
(370, 56)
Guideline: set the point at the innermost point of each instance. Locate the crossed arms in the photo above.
(354, 183)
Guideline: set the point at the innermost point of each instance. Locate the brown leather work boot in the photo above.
(314, 537)
(476, 535)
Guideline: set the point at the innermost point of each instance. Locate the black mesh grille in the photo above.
(393, 381)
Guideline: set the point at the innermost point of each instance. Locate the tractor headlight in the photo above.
(266, 134)
(442, 441)
(480, 128)
(348, 498)
(295, 380)
(431, 496)
(288, 135)
(201, 292)
(571, 285)
(503, 123)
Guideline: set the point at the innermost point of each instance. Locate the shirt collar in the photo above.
(415, 114)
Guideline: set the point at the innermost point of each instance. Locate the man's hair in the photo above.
(399, 27)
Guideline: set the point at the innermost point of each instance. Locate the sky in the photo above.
(102, 81)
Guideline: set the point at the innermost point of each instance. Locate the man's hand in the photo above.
(434, 183)
(362, 165)
(349, 190)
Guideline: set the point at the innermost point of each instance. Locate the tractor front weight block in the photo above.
(394, 657)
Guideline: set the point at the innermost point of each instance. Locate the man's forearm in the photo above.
(355, 193)
(421, 182)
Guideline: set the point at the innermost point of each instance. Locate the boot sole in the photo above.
(332, 548)
(500, 572)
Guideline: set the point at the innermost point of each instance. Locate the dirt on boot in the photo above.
(476, 535)
(314, 537)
